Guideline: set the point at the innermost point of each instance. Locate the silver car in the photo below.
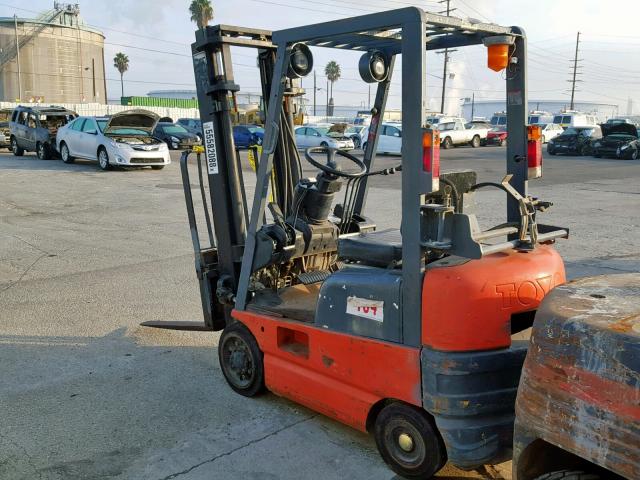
(125, 139)
(317, 136)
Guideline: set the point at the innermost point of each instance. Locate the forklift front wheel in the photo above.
(241, 360)
(409, 442)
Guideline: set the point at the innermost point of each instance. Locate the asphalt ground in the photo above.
(86, 255)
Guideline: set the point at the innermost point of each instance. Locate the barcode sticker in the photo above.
(210, 148)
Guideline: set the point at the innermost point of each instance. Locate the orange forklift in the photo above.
(407, 333)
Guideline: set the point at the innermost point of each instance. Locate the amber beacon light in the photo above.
(498, 51)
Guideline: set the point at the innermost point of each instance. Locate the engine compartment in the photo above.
(135, 139)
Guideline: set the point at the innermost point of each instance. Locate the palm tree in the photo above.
(201, 12)
(332, 71)
(121, 62)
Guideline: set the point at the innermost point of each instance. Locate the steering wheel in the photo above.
(331, 167)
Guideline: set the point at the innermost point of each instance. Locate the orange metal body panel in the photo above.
(341, 376)
(469, 306)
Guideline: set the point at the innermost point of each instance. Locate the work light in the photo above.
(300, 62)
(373, 67)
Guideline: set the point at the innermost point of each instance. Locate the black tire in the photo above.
(157, 167)
(64, 153)
(17, 150)
(551, 151)
(241, 360)
(635, 155)
(475, 141)
(324, 144)
(597, 155)
(42, 151)
(423, 452)
(447, 143)
(364, 146)
(356, 142)
(103, 159)
(569, 475)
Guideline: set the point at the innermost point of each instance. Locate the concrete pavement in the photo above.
(87, 393)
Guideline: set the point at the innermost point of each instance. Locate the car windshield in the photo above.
(322, 130)
(354, 129)
(446, 126)
(256, 129)
(499, 129)
(173, 129)
(541, 125)
(102, 124)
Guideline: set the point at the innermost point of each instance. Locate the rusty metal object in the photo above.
(580, 386)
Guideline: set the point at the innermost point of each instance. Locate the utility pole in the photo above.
(315, 89)
(446, 57)
(15, 20)
(575, 71)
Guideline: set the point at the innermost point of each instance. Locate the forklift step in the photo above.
(309, 278)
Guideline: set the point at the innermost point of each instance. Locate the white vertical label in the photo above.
(210, 148)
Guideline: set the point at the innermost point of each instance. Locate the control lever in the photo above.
(276, 213)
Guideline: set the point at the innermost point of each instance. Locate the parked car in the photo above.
(34, 129)
(574, 140)
(537, 117)
(497, 136)
(245, 136)
(619, 140)
(479, 124)
(633, 119)
(192, 125)
(125, 139)
(455, 133)
(5, 132)
(175, 136)
(498, 119)
(319, 136)
(549, 131)
(573, 118)
(389, 140)
(355, 133)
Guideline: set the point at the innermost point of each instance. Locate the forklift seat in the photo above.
(377, 249)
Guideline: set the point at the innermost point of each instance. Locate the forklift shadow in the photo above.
(123, 406)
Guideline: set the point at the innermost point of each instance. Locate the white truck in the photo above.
(453, 132)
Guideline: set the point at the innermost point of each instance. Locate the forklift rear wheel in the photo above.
(408, 441)
(241, 360)
(569, 475)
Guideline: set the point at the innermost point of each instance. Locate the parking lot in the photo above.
(87, 255)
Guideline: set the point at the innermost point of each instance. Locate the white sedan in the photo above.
(316, 136)
(125, 139)
(389, 139)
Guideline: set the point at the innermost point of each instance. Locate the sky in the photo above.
(156, 35)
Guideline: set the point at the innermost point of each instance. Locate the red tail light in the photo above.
(431, 155)
(534, 151)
